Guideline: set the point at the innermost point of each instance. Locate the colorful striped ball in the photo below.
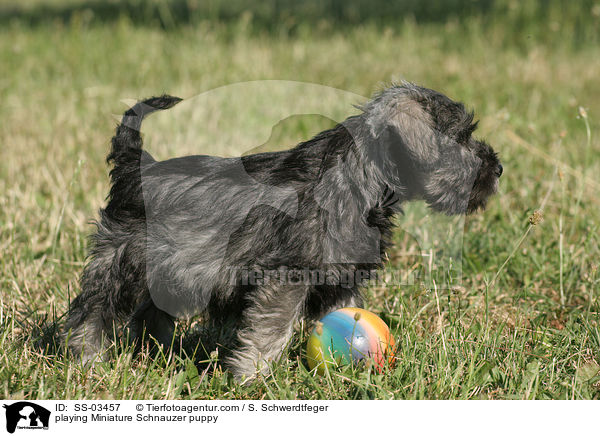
(349, 335)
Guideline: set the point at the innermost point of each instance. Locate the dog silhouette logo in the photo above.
(26, 415)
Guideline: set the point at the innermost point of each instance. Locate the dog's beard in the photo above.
(480, 194)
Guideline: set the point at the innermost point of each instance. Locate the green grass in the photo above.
(522, 324)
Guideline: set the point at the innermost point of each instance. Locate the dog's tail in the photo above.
(127, 142)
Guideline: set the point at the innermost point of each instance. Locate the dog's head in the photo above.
(422, 142)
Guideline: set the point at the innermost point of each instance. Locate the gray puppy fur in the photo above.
(232, 239)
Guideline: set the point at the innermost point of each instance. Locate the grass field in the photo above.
(524, 322)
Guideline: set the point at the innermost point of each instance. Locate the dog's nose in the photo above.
(499, 170)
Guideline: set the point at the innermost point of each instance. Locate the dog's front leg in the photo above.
(148, 321)
(267, 327)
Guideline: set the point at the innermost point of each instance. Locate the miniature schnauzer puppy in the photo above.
(233, 238)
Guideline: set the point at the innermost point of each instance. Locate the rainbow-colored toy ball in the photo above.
(346, 335)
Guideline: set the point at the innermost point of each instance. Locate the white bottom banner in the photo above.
(312, 418)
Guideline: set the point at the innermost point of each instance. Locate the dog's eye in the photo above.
(464, 136)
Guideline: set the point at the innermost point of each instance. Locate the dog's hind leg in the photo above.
(112, 286)
(87, 330)
(267, 328)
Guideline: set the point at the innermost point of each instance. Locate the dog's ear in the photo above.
(401, 141)
(400, 126)
(411, 151)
